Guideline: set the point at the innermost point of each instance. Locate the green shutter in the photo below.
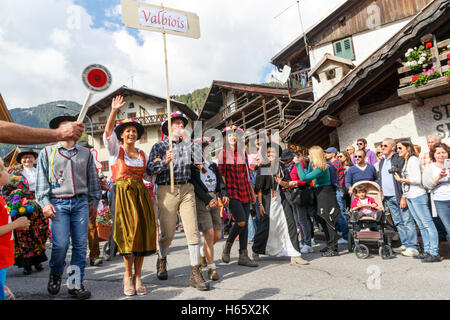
(344, 49)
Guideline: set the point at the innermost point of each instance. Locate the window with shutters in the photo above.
(131, 115)
(160, 110)
(344, 49)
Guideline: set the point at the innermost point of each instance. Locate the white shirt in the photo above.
(412, 172)
(113, 147)
(441, 192)
(30, 174)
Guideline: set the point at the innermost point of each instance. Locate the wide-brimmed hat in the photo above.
(129, 123)
(286, 155)
(55, 122)
(173, 116)
(24, 152)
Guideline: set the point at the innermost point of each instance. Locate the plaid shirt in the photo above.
(181, 163)
(236, 176)
(43, 187)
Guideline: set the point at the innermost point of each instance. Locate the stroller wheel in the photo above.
(361, 251)
(386, 252)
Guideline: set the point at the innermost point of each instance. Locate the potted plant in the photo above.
(104, 223)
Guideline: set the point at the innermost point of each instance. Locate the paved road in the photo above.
(343, 277)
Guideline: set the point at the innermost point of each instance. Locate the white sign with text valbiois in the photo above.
(163, 19)
(149, 17)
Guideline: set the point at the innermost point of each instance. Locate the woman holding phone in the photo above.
(436, 177)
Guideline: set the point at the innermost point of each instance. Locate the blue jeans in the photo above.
(342, 224)
(72, 217)
(421, 213)
(2, 283)
(253, 223)
(404, 223)
(443, 211)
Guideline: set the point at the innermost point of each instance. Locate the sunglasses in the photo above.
(359, 157)
(340, 156)
(378, 152)
(384, 146)
(360, 143)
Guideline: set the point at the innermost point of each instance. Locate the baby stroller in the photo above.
(380, 237)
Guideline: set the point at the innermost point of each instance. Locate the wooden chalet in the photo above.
(249, 106)
(376, 99)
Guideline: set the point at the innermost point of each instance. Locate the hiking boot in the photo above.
(213, 275)
(226, 252)
(197, 280)
(80, 294)
(54, 284)
(299, 260)
(203, 261)
(161, 268)
(244, 260)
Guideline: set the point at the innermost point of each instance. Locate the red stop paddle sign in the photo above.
(96, 78)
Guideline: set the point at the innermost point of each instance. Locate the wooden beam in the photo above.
(264, 111)
(331, 121)
(243, 120)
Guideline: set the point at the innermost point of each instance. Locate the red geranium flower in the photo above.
(414, 79)
(429, 45)
(448, 56)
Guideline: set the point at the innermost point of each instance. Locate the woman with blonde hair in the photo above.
(327, 205)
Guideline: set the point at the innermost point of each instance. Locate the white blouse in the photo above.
(113, 147)
(30, 174)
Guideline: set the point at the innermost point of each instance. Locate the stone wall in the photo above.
(404, 121)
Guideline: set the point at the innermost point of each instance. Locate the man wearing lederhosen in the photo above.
(182, 200)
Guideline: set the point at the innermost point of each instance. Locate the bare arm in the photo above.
(14, 133)
(116, 104)
(21, 223)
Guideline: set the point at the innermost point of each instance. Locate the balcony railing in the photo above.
(98, 127)
(299, 80)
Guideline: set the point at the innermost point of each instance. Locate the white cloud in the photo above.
(44, 51)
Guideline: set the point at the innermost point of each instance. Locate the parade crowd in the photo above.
(272, 199)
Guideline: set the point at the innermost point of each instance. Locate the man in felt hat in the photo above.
(67, 181)
(182, 200)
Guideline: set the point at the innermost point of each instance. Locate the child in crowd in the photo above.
(365, 206)
(7, 227)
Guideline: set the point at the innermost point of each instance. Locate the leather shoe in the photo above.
(54, 284)
(80, 294)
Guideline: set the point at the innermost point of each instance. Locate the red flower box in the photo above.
(103, 231)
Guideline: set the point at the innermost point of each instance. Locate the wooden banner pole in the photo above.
(169, 112)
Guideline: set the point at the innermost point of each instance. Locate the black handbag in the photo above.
(303, 197)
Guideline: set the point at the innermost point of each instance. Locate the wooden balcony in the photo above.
(416, 94)
(151, 120)
(300, 83)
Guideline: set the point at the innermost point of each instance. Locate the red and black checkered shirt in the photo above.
(236, 176)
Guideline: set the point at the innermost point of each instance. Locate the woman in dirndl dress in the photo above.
(135, 226)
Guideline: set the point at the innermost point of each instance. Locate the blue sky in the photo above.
(98, 10)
